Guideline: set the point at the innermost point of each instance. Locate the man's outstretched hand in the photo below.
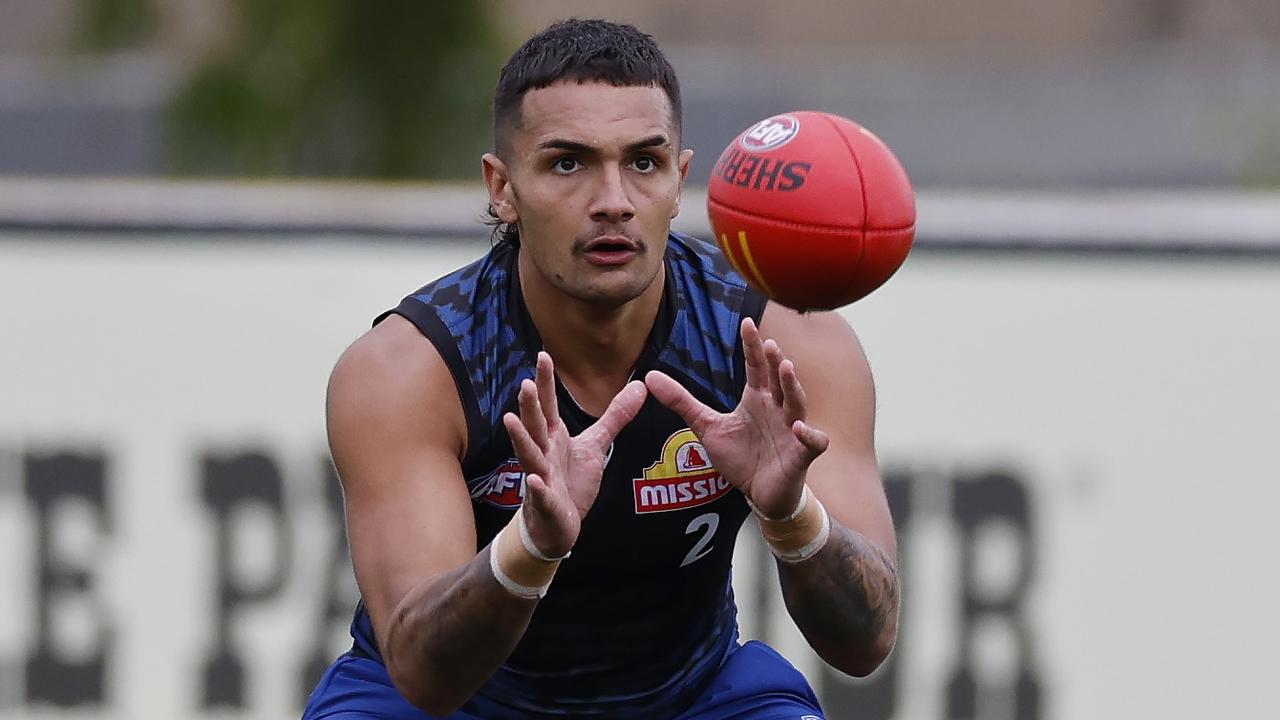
(562, 472)
(764, 447)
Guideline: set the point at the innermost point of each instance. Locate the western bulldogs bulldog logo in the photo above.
(501, 487)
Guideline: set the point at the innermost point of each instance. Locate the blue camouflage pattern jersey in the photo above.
(641, 616)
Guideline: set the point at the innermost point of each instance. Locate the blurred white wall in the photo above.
(1078, 445)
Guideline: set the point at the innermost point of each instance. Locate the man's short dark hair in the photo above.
(579, 51)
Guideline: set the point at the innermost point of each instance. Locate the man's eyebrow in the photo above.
(583, 148)
(651, 141)
(571, 145)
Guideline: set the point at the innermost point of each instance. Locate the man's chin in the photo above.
(606, 297)
(612, 291)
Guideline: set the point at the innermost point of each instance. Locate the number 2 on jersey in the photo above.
(710, 521)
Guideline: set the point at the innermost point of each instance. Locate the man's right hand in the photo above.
(562, 472)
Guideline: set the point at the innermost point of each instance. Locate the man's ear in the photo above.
(685, 156)
(497, 180)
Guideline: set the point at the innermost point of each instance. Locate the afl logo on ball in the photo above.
(769, 133)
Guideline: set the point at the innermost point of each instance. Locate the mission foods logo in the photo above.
(769, 133)
(502, 487)
(682, 478)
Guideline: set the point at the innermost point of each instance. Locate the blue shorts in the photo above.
(755, 683)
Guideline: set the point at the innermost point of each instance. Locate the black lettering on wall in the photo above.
(872, 697)
(231, 484)
(337, 606)
(977, 501)
(53, 481)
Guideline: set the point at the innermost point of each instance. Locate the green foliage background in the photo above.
(330, 88)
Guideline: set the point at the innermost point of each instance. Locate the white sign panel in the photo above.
(1080, 451)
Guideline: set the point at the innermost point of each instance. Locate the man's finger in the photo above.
(773, 355)
(622, 410)
(794, 402)
(546, 381)
(537, 497)
(674, 395)
(753, 355)
(531, 413)
(527, 451)
(815, 441)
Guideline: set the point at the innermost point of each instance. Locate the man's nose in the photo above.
(612, 203)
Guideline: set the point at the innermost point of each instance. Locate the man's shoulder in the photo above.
(706, 279)
(463, 292)
(466, 319)
(392, 351)
(703, 258)
(706, 275)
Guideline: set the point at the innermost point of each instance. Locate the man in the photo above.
(546, 455)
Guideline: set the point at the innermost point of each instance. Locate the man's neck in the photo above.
(595, 348)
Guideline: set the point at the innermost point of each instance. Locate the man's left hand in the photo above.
(764, 447)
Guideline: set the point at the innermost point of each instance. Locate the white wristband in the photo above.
(528, 592)
(800, 535)
(528, 541)
(811, 548)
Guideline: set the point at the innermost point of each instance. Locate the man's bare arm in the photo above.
(445, 617)
(845, 598)
(449, 634)
(397, 433)
(845, 601)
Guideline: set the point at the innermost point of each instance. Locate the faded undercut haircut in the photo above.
(579, 51)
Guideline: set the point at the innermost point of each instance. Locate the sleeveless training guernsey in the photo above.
(641, 616)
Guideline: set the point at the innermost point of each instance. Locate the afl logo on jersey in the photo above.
(769, 133)
(682, 478)
(501, 487)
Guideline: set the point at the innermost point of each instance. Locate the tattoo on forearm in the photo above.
(478, 611)
(465, 632)
(845, 595)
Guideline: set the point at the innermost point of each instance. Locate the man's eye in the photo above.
(645, 164)
(565, 165)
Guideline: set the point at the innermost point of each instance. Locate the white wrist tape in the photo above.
(517, 564)
(528, 541)
(811, 548)
(800, 535)
(529, 592)
(800, 506)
